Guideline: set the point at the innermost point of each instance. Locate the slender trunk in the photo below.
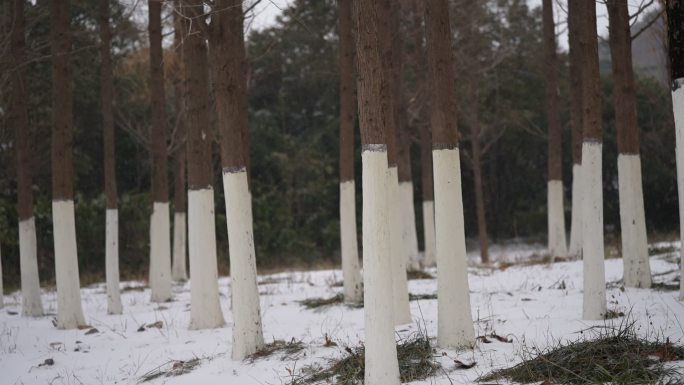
(229, 62)
(675, 37)
(2, 293)
(402, 311)
(28, 259)
(69, 311)
(556, 212)
(180, 230)
(381, 364)
(454, 323)
(353, 289)
(592, 224)
(637, 271)
(576, 126)
(205, 310)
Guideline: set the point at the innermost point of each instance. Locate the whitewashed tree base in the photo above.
(556, 219)
(429, 233)
(179, 270)
(594, 296)
(69, 310)
(381, 364)
(31, 303)
(637, 270)
(112, 262)
(351, 272)
(248, 335)
(409, 236)
(205, 310)
(575, 250)
(160, 253)
(402, 309)
(678, 110)
(454, 319)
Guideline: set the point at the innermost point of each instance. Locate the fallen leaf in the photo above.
(501, 339)
(158, 325)
(462, 365)
(47, 362)
(484, 339)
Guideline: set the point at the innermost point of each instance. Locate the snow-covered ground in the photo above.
(531, 304)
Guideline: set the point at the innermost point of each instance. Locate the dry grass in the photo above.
(171, 369)
(288, 350)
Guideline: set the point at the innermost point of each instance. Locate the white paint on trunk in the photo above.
(112, 262)
(429, 233)
(409, 236)
(556, 219)
(69, 310)
(31, 303)
(402, 309)
(160, 252)
(248, 335)
(381, 364)
(575, 250)
(637, 271)
(351, 272)
(594, 301)
(180, 247)
(205, 310)
(454, 319)
(678, 109)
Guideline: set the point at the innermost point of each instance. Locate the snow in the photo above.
(522, 301)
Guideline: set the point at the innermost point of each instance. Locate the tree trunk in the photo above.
(205, 310)
(675, 36)
(637, 271)
(454, 323)
(179, 270)
(555, 209)
(31, 305)
(576, 126)
(229, 63)
(592, 224)
(112, 213)
(69, 311)
(160, 236)
(402, 310)
(381, 364)
(353, 286)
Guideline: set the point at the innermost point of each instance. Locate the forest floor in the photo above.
(520, 297)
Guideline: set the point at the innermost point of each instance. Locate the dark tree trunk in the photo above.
(675, 37)
(402, 128)
(422, 94)
(591, 85)
(347, 90)
(107, 95)
(384, 12)
(180, 192)
(575, 59)
(555, 170)
(160, 189)
(62, 120)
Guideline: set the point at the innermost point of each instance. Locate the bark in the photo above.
(473, 117)
(62, 120)
(624, 95)
(555, 168)
(347, 90)
(229, 64)
(591, 86)
(180, 192)
(441, 76)
(198, 139)
(19, 113)
(575, 82)
(402, 128)
(384, 12)
(422, 93)
(160, 190)
(107, 95)
(675, 36)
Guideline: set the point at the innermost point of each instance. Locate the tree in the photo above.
(229, 64)
(160, 237)
(353, 289)
(381, 364)
(556, 212)
(402, 311)
(675, 37)
(31, 305)
(112, 213)
(576, 127)
(180, 229)
(454, 324)
(205, 309)
(637, 271)
(69, 311)
(594, 304)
